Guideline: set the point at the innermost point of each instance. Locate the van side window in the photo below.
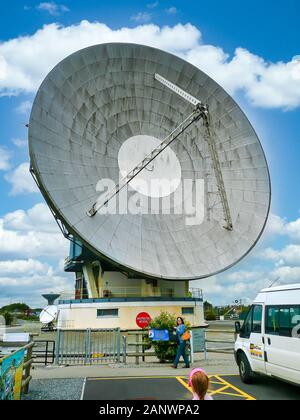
(272, 320)
(283, 320)
(295, 321)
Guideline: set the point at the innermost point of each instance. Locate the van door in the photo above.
(253, 340)
(283, 342)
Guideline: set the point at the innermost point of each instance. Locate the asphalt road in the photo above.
(176, 388)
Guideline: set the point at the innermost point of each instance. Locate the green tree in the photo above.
(8, 318)
(211, 315)
(207, 306)
(15, 307)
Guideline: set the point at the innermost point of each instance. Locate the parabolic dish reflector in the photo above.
(100, 112)
(49, 314)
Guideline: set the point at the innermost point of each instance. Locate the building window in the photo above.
(187, 311)
(153, 283)
(107, 313)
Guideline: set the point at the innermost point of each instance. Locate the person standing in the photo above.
(181, 351)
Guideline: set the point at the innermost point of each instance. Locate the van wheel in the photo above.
(246, 372)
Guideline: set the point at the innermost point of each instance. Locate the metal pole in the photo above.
(46, 355)
(119, 345)
(192, 347)
(90, 346)
(57, 349)
(86, 346)
(205, 349)
(124, 339)
(137, 349)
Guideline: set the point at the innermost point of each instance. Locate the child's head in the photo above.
(199, 382)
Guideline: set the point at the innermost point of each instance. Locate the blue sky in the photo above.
(262, 75)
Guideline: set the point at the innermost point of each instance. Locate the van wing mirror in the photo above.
(238, 327)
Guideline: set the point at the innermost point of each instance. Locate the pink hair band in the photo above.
(196, 370)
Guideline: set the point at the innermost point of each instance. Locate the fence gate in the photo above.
(88, 347)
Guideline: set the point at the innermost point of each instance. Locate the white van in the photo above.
(268, 343)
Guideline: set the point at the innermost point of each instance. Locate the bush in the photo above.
(165, 350)
(28, 317)
(210, 316)
(8, 318)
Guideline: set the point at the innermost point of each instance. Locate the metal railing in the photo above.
(196, 293)
(137, 292)
(141, 348)
(140, 345)
(88, 347)
(220, 341)
(44, 352)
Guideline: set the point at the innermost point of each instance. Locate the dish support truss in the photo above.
(200, 112)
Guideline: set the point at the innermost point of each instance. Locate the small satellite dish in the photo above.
(132, 114)
(51, 298)
(49, 314)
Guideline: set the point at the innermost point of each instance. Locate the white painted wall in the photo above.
(84, 315)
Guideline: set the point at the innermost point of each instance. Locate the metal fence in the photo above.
(220, 340)
(88, 347)
(44, 352)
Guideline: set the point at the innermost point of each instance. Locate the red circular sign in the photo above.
(143, 320)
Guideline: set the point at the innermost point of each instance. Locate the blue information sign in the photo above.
(159, 335)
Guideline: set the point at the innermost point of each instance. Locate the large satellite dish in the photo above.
(131, 113)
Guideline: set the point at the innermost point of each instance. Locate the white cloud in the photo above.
(287, 275)
(142, 17)
(292, 229)
(242, 276)
(27, 240)
(265, 84)
(52, 8)
(275, 225)
(5, 157)
(38, 218)
(224, 289)
(31, 234)
(30, 287)
(268, 85)
(288, 255)
(21, 180)
(24, 107)
(153, 5)
(22, 71)
(211, 286)
(17, 267)
(19, 143)
(172, 10)
(281, 227)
